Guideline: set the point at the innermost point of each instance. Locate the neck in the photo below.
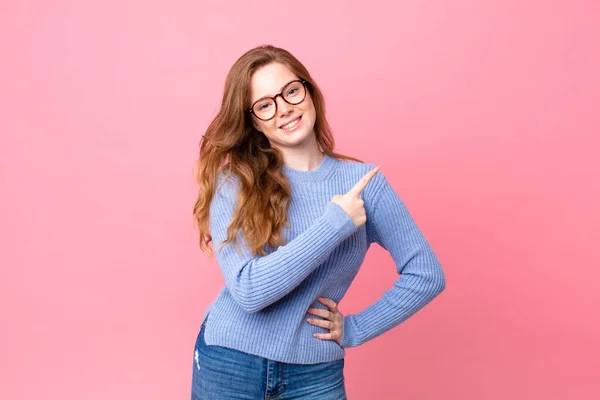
(303, 161)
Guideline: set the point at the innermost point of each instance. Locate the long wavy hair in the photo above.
(232, 145)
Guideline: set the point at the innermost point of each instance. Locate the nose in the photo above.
(283, 107)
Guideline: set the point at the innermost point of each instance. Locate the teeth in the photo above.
(291, 124)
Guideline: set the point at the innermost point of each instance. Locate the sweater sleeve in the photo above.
(255, 282)
(421, 277)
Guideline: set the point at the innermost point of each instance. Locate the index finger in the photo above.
(360, 185)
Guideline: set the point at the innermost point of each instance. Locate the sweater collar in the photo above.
(318, 174)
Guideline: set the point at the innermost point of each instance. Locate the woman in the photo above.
(288, 220)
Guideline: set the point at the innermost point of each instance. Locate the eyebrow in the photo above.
(280, 89)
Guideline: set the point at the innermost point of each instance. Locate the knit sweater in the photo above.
(262, 308)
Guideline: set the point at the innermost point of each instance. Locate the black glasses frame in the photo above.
(274, 98)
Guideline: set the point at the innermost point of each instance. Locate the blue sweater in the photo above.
(262, 308)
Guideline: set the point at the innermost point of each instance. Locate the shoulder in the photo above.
(352, 171)
(227, 184)
(225, 198)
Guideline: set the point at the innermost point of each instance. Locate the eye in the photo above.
(263, 106)
(292, 91)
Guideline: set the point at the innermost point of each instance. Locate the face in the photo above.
(268, 81)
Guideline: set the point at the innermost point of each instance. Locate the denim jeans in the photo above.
(221, 373)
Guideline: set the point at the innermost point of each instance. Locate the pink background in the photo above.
(483, 114)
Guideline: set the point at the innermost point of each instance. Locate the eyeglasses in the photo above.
(266, 108)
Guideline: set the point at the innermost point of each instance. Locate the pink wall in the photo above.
(483, 114)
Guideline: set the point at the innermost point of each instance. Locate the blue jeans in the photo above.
(221, 373)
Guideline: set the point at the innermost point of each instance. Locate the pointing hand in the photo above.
(351, 201)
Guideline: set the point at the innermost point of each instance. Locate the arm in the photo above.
(256, 282)
(391, 226)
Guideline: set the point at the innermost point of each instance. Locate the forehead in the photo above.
(269, 80)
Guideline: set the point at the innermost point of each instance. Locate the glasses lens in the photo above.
(264, 109)
(294, 92)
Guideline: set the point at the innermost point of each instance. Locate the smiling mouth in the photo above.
(291, 124)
